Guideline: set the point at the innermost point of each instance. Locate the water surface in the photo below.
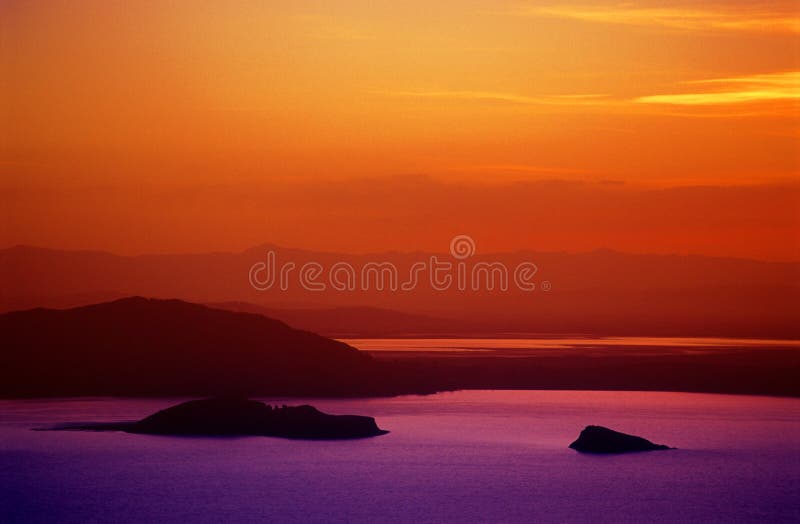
(548, 343)
(452, 457)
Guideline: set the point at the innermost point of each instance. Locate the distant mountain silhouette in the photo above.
(343, 322)
(140, 346)
(601, 292)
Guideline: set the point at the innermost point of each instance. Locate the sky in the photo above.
(359, 126)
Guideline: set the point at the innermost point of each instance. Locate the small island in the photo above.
(597, 439)
(232, 417)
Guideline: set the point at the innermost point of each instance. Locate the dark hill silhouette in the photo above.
(140, 346)
(149, 347)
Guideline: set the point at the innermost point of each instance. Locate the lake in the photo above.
(465, 456)
(540, 344)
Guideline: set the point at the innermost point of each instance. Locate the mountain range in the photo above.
(597, 293)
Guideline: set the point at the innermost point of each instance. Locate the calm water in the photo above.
(471, 456)
(651, 343)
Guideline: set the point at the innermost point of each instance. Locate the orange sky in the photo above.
(370, 125)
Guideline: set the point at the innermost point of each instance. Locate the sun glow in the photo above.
(225, 120)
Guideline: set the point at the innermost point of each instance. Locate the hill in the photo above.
(139, 346)
(149, 347)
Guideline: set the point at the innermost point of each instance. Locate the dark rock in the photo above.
(597, 439)
(242, 417)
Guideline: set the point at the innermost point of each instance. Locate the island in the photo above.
(597, 439)
(230, 417)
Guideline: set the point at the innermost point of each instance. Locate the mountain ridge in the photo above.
(597, 293)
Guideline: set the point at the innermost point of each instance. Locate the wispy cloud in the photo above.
(752, 88)
(784, 79)
(707, 92)
(744, 18)
(492, 96)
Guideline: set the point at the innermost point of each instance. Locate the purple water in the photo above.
(452, 457)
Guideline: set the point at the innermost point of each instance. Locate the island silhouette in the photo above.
(231, 417)
(601, 440)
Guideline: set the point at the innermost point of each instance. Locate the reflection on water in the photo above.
(460, 457)
(461, 344)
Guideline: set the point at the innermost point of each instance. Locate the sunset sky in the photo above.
(654, 126)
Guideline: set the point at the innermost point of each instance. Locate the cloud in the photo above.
(741, 19)
(787, 79)
(764, 87)
(752, 88)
